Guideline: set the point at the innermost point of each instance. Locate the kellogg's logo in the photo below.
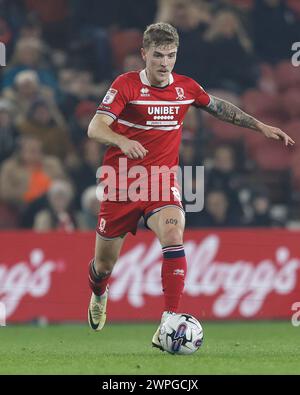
(241, 284)
(26, 278)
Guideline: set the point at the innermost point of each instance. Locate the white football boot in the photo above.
(97, 311)
(155, 338)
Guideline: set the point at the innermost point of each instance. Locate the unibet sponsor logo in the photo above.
(164, 110)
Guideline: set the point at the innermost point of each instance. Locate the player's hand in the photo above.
(277, 134)
(133, 149)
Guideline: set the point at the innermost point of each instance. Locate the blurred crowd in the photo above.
(62, 56)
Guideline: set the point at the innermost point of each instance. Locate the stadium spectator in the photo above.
(224, 175)
(188, 150)
(59, 214)
(76, 86)
(230, 54)
(28, 174)
(191, 123)
(6, 35)
(261, 210)
(46, 126)
(120, 14)
(87, 40)
(28, 55)
(184, 14)
(191, 21)
(84, 175)
(89, 208)
(31, 28)
(66, 99)
(216, 212)
(84, 112)
(274, 26)
(132, 62)
(190, 153)
(26, 89)
(8, 131)
(83, 86)
(54, 17)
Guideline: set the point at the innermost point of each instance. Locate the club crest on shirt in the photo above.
(110, 96)
(180, 93)
(102, 225)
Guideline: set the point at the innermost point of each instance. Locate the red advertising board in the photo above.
(232, 274)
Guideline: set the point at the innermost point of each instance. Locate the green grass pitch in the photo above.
(229, 348)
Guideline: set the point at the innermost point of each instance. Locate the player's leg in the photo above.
(168, 225)
(100, 269)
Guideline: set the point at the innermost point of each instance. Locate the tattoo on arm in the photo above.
(228, 112)
(172, 221)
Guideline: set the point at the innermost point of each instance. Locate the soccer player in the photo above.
(140, 119)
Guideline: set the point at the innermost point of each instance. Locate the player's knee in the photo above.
(172, 236)
(104, 264)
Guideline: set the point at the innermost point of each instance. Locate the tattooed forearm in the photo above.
(230, 113)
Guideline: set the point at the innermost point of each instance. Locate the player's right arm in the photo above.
(99, 130)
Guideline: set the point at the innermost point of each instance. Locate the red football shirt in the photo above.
(150, 115)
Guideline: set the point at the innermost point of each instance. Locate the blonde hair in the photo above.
(160, 34)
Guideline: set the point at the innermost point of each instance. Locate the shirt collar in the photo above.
(145, 81)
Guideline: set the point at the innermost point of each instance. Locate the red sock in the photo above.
(97, 282)
(173, 274)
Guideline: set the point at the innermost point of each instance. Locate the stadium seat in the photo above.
(272, 155)
(291, 102)
(294, 5)
(254, 139)
(287, 75)
(295, 165)
(292, 128)
(224, 94)
(124, 42)
(225, 131)
(257, 102)
(246, 4)
(267, 81)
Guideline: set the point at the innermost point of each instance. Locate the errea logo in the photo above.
(145, 92)
(178, 272)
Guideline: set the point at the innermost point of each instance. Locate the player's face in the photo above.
(160, 62)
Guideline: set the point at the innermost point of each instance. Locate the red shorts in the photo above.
(116, 218)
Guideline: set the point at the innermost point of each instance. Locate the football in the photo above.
(181, 334)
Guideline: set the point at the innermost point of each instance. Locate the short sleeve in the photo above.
(201, 96)
(115, 98)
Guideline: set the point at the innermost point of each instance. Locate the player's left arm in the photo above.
(228, 112)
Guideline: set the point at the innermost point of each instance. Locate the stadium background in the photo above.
(243, 248)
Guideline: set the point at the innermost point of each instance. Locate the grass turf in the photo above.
(229, 348)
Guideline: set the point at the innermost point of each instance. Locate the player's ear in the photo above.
(143, 53)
